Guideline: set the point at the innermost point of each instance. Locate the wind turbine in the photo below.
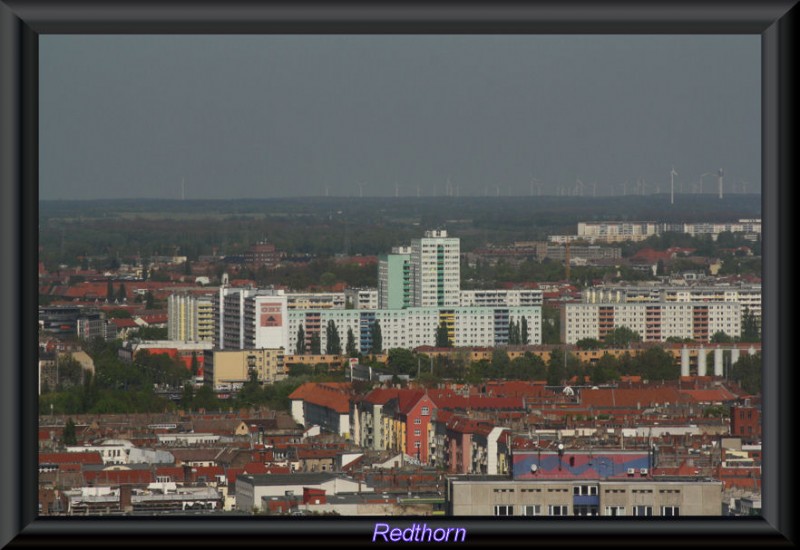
(361, 189)
(672, 174)
(594, 188)
(719, 176)
(701, 180)
(744, 186)
(578, 187)
(396, 190)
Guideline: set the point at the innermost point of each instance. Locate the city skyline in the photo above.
(398, 116)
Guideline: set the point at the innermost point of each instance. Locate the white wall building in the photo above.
(655, 322)
(501, 298)
(435, 270)
(749, 296)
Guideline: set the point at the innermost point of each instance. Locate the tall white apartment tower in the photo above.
(435, 270)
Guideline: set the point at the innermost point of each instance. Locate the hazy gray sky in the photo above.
(268, 116)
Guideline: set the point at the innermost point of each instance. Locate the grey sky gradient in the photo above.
(278, 116)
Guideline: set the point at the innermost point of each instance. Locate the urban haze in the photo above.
(226, 117)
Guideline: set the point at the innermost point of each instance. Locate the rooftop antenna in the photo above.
(672, 174)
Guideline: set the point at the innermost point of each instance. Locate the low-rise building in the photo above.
(499, 496)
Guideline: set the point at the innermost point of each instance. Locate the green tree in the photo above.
(442, 336)
(333, 345)
(747, 372)
(751, 332)
(110, 291)
(556, 368)
(605, 370)
(351, 349)
(70, 437)
(377, 337)
(122, 294)
(187, 397)
(205, 398)
(149, 300)
(315, 344)
(402, 361)
(551, 325)
(514, 336)
(524, 337)
(621, 337)
(300, 341)
(720, 337)
(500, 363)
(588, 343)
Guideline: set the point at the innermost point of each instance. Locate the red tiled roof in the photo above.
(631, 398)
(407, 399)
(116, 477)
(329, 395)
(380, 396)
(91, 457)
(709, 396)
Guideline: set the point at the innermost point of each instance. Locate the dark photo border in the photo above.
(21, 23)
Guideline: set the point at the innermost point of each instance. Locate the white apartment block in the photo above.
(655, 321)
(190, 318)
(362, 298)
(751, 228)
(316, 300)
(435, 270)
(501, 298)
(413, 327)
(614, 232)
(749, 296)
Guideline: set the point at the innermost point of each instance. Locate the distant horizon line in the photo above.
(392, 197)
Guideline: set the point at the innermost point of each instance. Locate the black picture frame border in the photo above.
(21, 23)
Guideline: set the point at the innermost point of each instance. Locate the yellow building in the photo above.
(230, 369)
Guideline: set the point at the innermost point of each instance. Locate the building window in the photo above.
(585, 490)
(503, 510)
(532, 510)
(615, 510)
(416, 433)
(425, 411)
(670, 511)
(417, 421)
(557, 510)
(585, 510)
(642, 510)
